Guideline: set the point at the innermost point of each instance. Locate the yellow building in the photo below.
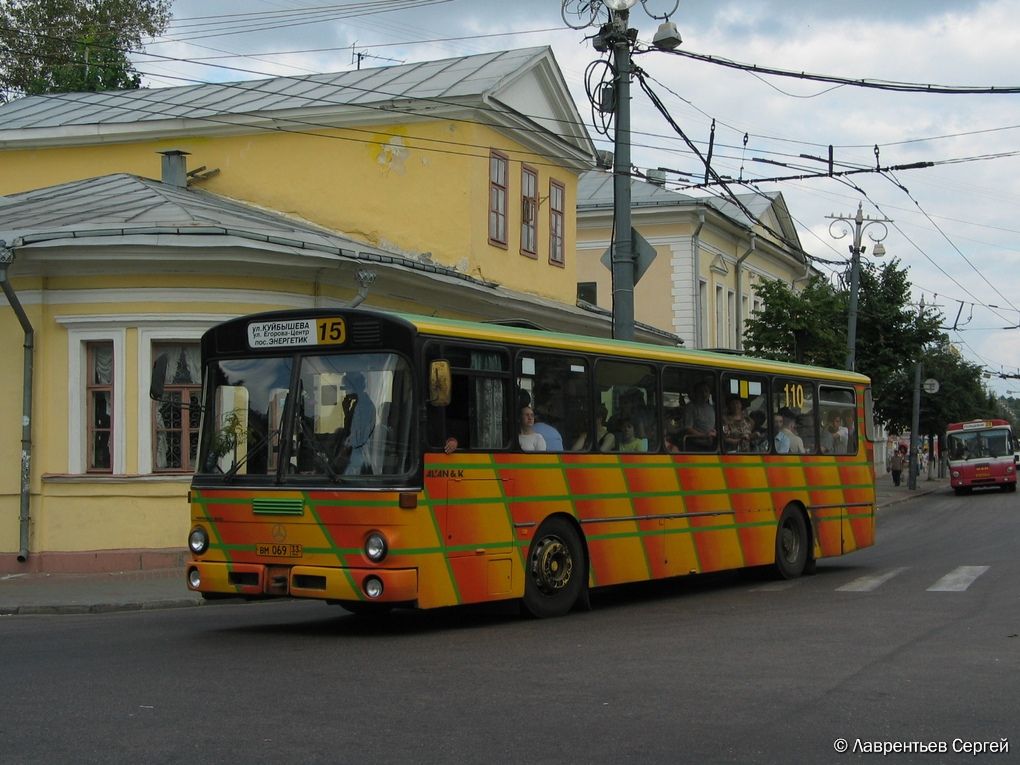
(709, 255)
(446, 187)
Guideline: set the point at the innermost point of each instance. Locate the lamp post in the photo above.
(861, 222)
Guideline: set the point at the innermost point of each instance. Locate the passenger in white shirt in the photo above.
(529, 439)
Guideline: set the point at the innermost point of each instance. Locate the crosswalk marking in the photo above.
(959, 579)
(872, 582)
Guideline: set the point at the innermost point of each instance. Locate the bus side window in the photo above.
(837, 409)
(557, 388)
(629, 392)
(691, 401)
(476, 416)
(793, 416)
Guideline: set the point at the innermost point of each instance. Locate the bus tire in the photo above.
(556, 572)
(791, 544)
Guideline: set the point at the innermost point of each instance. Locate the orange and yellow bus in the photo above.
(378, 460)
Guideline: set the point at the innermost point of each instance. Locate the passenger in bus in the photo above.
(629, 440)
(674, 437)
(699, 420)
(787, 440)
(359, 414)
(604, 439)
(543, 426)
(530, 440)
(759, 432)
(736, 427)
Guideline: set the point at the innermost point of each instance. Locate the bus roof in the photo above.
(429, 325)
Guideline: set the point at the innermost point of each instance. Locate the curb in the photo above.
(99, 608)
(918, 493)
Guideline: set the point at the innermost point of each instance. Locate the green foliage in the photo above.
(807, 327)
(58, 46)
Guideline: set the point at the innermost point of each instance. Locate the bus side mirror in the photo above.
(440, 383)
(158, 377)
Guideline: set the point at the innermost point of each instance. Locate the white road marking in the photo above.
(869, 583)
(958, 579)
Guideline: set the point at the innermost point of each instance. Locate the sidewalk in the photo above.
(94, 593)
(887, 494)
(165, 588)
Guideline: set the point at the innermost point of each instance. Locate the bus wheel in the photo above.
(791, 544)
(556, 570)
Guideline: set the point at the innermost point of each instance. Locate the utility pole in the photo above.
(623, 252)
(861, 222)
(915, 425)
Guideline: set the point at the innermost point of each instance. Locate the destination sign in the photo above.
(331, 330)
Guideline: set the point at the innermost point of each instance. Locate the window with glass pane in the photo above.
(477, 415)
(175, 418)
(99, 392)
(838, 409)
(556, 212)
(244, 419)
(529, 211)
(557, 388)
(627, 391)
(690, 407)
(793, 416)
(497, 198)
(745, 414)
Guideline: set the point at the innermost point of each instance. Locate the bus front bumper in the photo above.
(325, 583)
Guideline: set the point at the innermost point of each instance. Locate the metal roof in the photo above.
(123, 205)
(447, 79)
(516, 89)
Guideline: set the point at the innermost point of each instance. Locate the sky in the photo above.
(954, 225)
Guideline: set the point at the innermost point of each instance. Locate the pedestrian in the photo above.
(896, 465)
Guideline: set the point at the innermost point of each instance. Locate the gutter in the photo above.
(739, 344)
(699, 339)
(6, 258)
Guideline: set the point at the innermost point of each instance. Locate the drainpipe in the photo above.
(696, 270)
(365, 279)
(739, 307)
(6, 258)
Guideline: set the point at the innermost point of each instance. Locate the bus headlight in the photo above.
(955, 474)
(198, 540)
(194, 578)
(375, 547)
(372, 586)
(1009, 469)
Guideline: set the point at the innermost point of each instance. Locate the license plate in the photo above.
(274, 550)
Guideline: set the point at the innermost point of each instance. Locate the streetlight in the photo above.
(861, 222)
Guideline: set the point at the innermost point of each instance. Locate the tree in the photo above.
(58, 46)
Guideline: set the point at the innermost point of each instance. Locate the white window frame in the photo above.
(97, 330)
(114, 328)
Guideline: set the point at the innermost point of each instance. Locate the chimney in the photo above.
(175, 168)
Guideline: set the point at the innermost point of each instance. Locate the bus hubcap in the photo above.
(551, 565)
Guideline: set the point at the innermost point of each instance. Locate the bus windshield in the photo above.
(967, 445)
(337, 417)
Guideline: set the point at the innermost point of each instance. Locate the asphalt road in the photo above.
(914, 640)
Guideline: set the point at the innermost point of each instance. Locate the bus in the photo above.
(374, 460)
(980, 455)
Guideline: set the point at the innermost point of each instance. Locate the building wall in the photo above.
(416, 188)
(675, 294)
